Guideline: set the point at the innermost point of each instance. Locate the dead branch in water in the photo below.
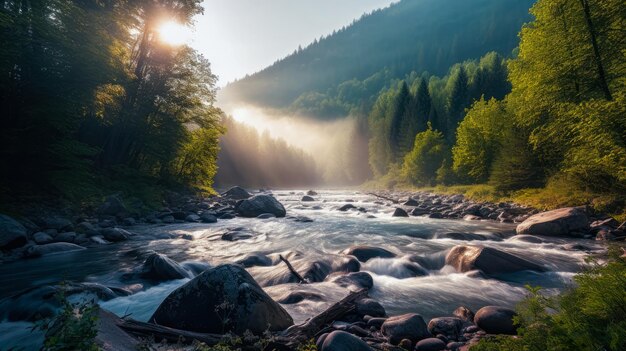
(293, 271)
(298, 334)
(395, 201)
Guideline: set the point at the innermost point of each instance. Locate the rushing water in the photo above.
(331, 231)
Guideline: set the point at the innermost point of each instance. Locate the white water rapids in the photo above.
(331, 231)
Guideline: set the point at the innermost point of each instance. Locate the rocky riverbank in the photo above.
(253, 294)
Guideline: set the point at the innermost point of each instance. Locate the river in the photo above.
(395, 287)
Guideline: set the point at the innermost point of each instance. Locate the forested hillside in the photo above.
(346, 70)
(92, 101)
(562, 127)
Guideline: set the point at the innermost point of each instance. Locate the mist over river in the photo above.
(413, 240)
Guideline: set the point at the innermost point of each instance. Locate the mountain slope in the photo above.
(411, 35)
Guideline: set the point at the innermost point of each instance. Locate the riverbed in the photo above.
(396, 287)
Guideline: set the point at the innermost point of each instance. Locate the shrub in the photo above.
(589, 316)
(74, 328)
(421, 164)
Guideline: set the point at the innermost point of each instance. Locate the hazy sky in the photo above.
(244, 36)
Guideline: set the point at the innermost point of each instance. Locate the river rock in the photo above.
(496, 320)
(260, 204)
(399, 212)
(346, 207)
(311, 193)
(464, 313)
(237, 234)
(255, 259)
(419, 211)
(293, 297)
(407, 326)
(555, 223)
(449, 326)
(488, 260)
(430, 344)
(112, 206)
(42, 238)
(237, 193)
(365, 253)
(342, 341)
(193, 218)
(202, 304)
(115, 234)
(159, 267)
(411, 202)
(207, 217)
(53, 248)
(67, 237)
(370, 307)
(307, 198)
(359, 280)
(12, 233)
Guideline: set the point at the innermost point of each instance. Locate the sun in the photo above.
(174, 33)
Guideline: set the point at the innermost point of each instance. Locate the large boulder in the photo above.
(488, 260)
(365, 253)
(161, 268)
(12, 233)
(260, 204)
(342, 341)
(222, 299)
(407, 326)
(237, 193)
(555, 223)
(496, 320)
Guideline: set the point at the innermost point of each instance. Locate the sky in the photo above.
(241, 37)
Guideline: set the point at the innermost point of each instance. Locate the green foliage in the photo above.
(87, 90)
(590, 316)
(73, 328)
(400, 113)
(422, 163)
(479, 138)
(308, 346)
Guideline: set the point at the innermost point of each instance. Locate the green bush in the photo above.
(589, 316)
(428, 154)
(73, 328)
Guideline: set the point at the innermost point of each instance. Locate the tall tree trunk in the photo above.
(596, 51)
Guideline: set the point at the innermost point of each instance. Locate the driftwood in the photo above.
(293, 271)
(165, 333)
(395, 201)
(298, 334)
(287, 340)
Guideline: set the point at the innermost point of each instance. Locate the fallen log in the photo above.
(395, 201)
(298, 334)
(293, 271)
(160, 332)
